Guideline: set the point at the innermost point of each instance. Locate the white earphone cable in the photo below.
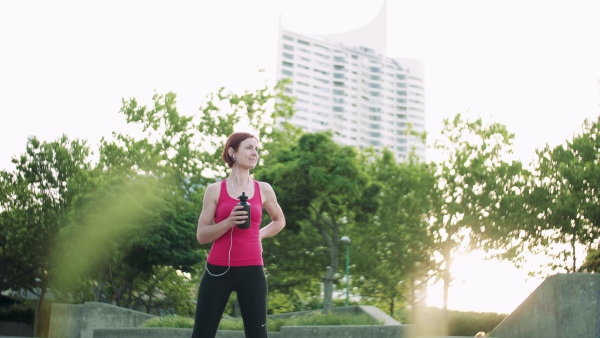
(228, 258)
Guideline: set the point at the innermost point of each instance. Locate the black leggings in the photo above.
(250, 284)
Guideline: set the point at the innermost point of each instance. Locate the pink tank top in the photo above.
(246, 248)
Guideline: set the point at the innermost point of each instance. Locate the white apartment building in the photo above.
(346, 83)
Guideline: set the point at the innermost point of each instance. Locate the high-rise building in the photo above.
(346, 83)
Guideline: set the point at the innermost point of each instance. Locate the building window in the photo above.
(326, 57)
(321, 71)
(322, 97)
(325, 90)
(287, 37)
(322, 47)
(302, 42)
(288, 47)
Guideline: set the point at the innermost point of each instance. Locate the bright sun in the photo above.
(483, 285)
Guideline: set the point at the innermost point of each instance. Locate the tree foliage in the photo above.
(320, 184)
(563, 198)
(392, 253)
(471, 181)
(112, 225)
(35, 201)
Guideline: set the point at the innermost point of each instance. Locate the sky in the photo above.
(65, 66)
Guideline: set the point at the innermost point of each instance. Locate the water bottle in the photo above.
(246, 207)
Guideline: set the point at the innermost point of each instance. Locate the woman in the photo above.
(235, 259)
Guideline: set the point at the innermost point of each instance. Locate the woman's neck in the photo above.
(239, 177)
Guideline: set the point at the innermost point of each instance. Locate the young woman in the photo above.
(235, 262)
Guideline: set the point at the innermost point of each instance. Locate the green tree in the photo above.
(35, 199)
(563, 198)
(471, 184)
(152, 184)
(321, 184)
(392, 254)
(592, 261)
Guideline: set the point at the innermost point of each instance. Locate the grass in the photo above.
(273, 325)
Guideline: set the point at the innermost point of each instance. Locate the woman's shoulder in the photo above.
(264, 185)
(213, 188)
(266, 190)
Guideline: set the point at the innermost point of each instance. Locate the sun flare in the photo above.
(483, 285)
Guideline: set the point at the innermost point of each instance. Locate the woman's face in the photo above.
(247, 153)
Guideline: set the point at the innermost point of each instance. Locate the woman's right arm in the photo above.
(208, 231)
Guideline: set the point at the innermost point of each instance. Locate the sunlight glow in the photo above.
(483, 285)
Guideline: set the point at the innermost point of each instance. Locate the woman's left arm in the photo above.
(274, 209)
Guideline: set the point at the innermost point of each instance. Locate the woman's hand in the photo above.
(237, 216)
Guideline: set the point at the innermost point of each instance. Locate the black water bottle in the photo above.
(246, 207)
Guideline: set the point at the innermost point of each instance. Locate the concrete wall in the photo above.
(390, 328)
(16, 329)
(100, 320)
(563, 305)
(164, 333)
(350, 331)
(80, 320)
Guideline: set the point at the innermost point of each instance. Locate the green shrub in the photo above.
(22, 313)
(318, 318)
(460, 323)
(273, 325)
(171, 321)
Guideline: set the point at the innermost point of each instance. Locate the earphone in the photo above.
(229, 254)
(228, 258)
